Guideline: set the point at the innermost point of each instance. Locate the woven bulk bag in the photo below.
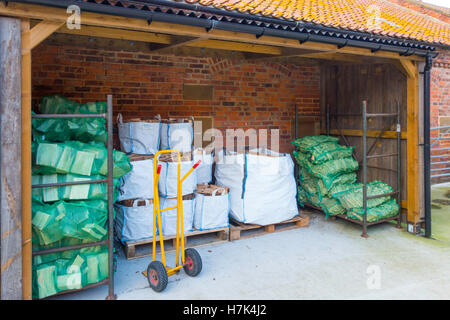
(167, 183)
(177, 134)
(262, 185)
(134, 219)
(211, 207)
(139, 136)
(138, 183)
(204, 170)
(169, 217)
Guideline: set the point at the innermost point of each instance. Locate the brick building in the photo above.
(242, 64)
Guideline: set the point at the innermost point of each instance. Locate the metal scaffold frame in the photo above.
(110, 240)
(366, 155)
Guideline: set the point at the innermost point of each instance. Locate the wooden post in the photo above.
(26, 160)
(413, 147)
(10, 152)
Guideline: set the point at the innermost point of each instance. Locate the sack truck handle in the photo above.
(192, 169)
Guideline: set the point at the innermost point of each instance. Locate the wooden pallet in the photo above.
(197, 238)
(239, 230)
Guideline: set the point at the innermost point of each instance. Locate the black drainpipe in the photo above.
(426, 149)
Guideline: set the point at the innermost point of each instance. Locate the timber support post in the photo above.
(10, 155)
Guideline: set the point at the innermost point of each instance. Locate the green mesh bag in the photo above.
(353, 198)
(84, 220)
(339, 189)
(59, 130)
(324, 152)
(331, 207)
(95, 191)
(344, 178)
(77, 158)
(306, 143)
(68, 270)
(386, 210)
(327, 171)
(309, 183)
(60, 105)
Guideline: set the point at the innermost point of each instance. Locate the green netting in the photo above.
(77, 158)
(338, 190)
(306, 143)
(60, 105)
(331, 207)
(327, 171)
(386, 210)
(324, 152)
(353, 198)
(69, 270)
(95, 191)
(85, 220)
(69, 129)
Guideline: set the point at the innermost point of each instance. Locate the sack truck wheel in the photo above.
(157, 276)
(193, 262)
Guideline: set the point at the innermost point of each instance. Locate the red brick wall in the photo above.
(257, 95)
(440, 106)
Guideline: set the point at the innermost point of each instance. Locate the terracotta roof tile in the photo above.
(373, 16)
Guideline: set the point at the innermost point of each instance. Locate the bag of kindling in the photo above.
(262, 185)
(138, 183)
(168, 178)
(204, 170)
(177, 134)
(139, 136)
(169, 217)
(134, 220)
(211, 207)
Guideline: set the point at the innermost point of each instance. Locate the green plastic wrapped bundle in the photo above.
(95, 191)
(324, 152)
(60, 105)
(353, 198)
(306, 143)
(58, 130)
(345, 178)
(386, 210)
(68, 270)
(77, 158)
(331, 207)
(329, 170)
(84, 220)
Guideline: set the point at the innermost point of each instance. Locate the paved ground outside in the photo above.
(327, 260)
(440, 211)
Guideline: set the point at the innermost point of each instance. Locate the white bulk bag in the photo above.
(167, 184)
(138, 183)
(204, 170)
(136, 222)
(177, 136)
(262, 186)
(139, 137)
(211, 211)
(169, 217)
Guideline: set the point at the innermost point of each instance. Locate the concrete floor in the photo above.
(327, 260)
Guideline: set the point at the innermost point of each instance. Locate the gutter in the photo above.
(426, 149)
(291, 30)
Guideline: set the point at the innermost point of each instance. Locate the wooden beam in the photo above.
(236, 46)
(370, 133)
(178, 43)
(103, 20)
(413, 147)
(409, 67)
(42, 31)
(118, 34)
(26, 160)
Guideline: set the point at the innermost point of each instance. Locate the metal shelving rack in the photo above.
(110, 240)
(367, 156)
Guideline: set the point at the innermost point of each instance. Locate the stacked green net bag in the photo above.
(327, 180)
(70, 150)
